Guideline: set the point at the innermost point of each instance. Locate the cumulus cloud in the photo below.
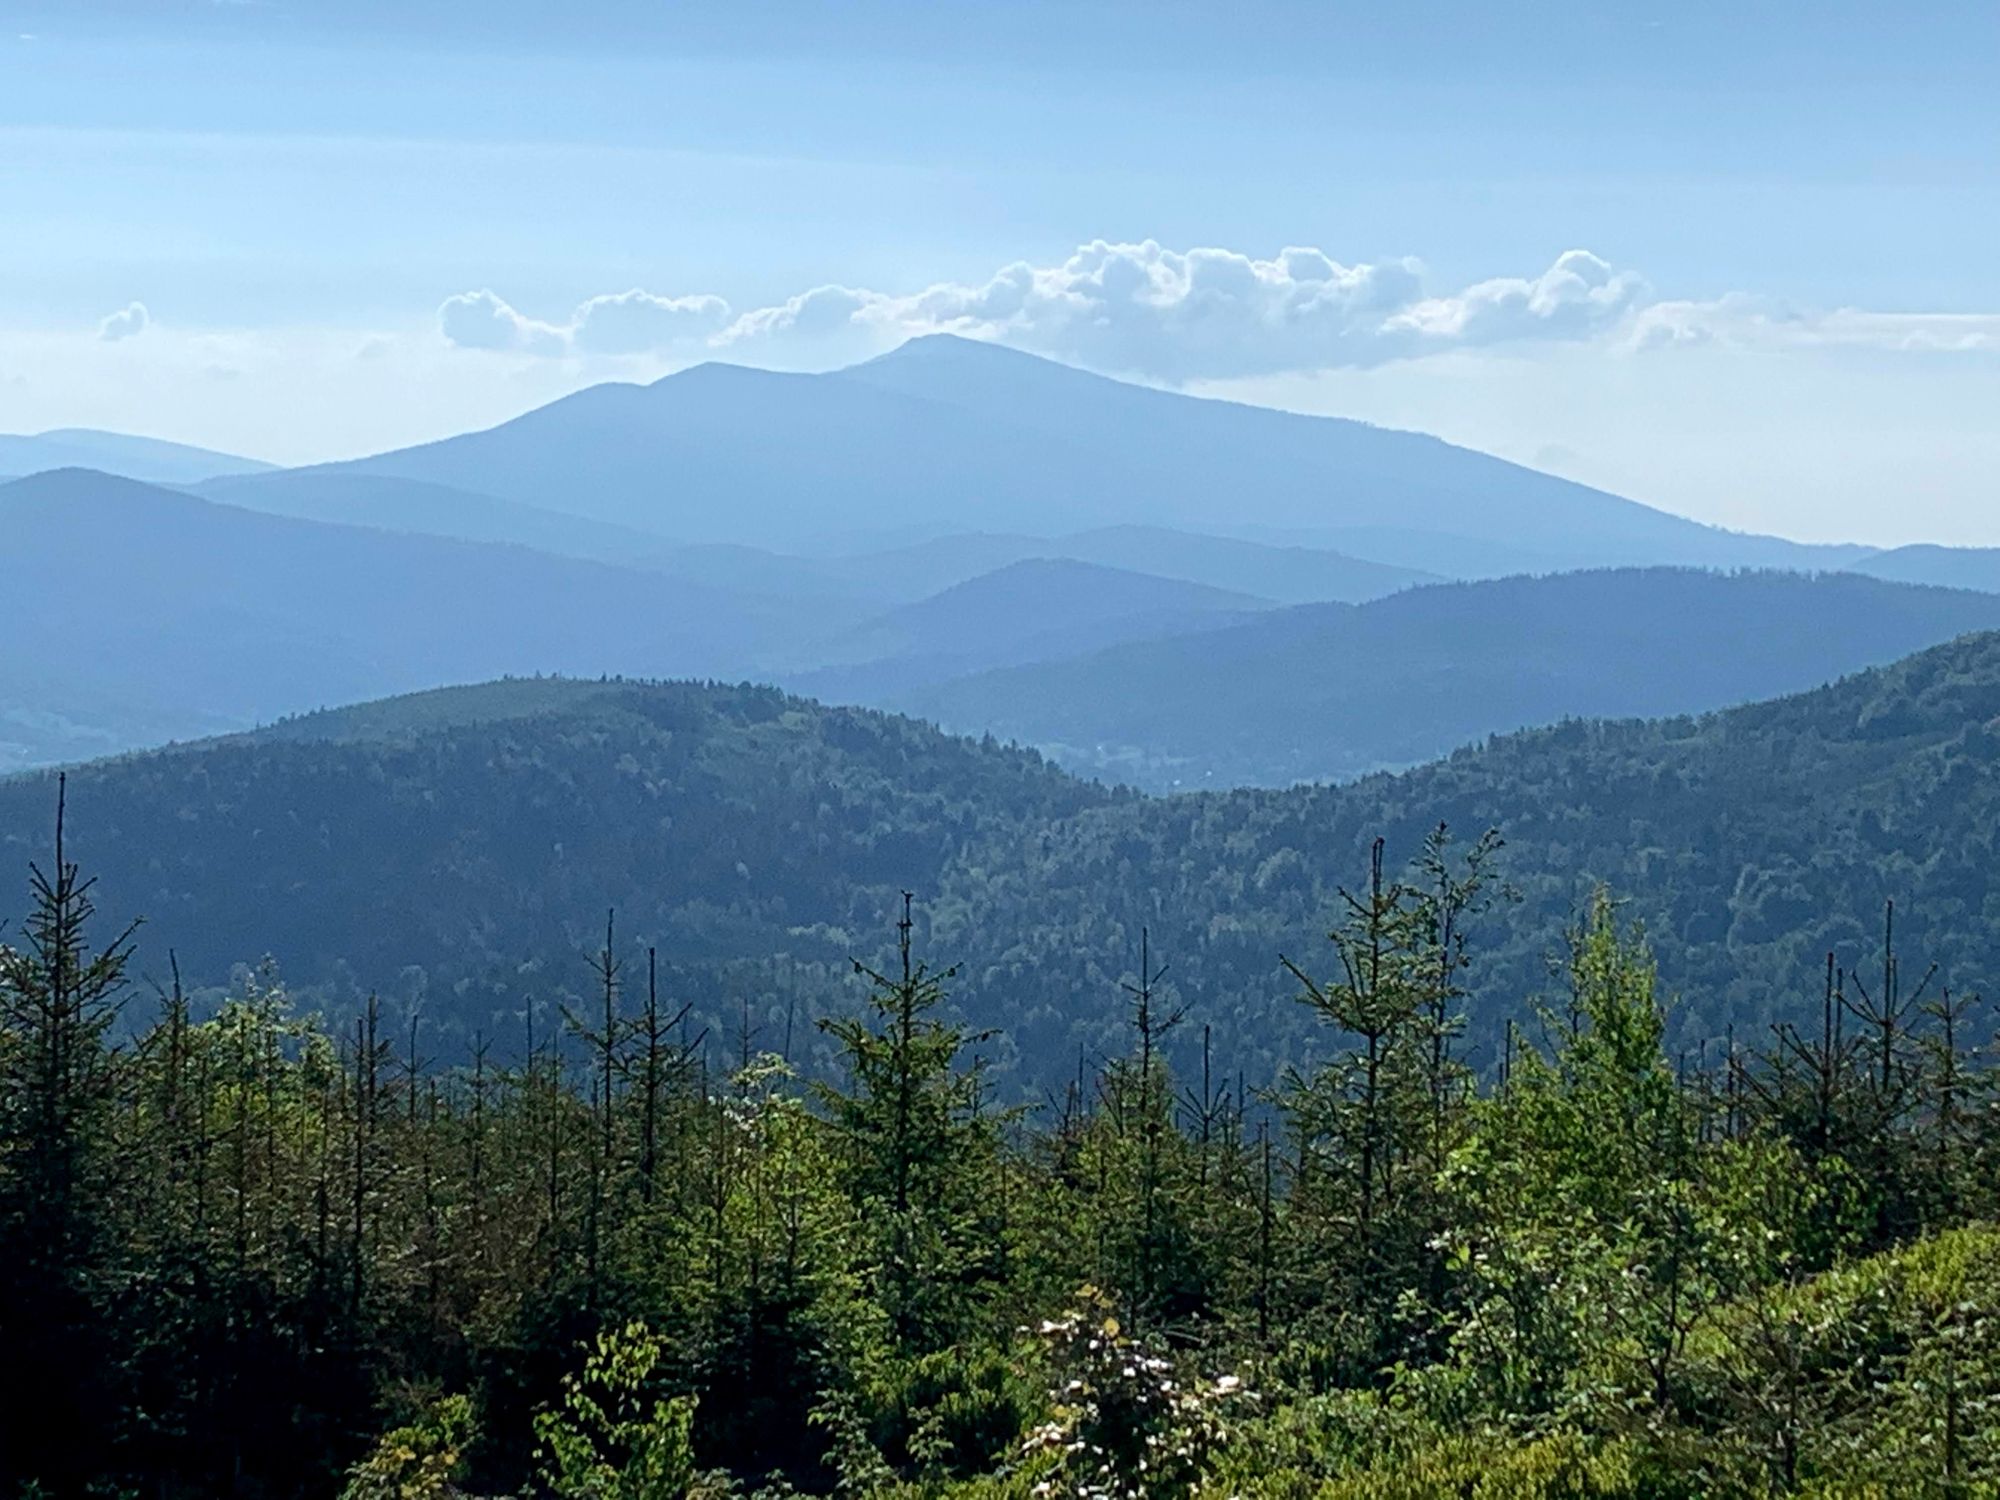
(130, 320)
(634, 322)
(1578, 296)
(1215, 314)
(482, 320)
(1179, 316)
(638, 322)
(823, 311)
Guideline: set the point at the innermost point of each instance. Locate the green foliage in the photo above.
(422, 1461)
(1562, 1466)
(1881, 1374)
(1595, 1236)
(612, 1437)
(59, 1092)
(916, 1150)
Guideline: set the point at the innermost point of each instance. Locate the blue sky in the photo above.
(1790, 318)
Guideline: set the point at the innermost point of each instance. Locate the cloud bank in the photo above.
(1743, 321)
(1180, 316)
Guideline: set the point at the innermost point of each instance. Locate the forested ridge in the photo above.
(456, 851)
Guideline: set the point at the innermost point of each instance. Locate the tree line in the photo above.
(254, 1252)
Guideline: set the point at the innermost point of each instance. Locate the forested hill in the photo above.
(1749, 843)
(471, 840)
(464, 846)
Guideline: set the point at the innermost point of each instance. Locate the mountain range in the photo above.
(148, 614)
(1150, 586)
(1045, 609)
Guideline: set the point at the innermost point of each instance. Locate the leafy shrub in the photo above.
(1126, 1423)
(611, 1437)
(417, 1462)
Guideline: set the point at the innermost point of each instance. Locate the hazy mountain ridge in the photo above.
(1042, 609)
(146, 614)
(1947, 567)
(153, 614)
(152, 460)
(414, 506)
(1045, 464)
(1331, 691)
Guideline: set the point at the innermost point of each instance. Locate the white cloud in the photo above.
(638, 322)
(1578, 296)
(130, 320)
(1209, 314)
(814, 314)
(1131, 308)
(1744, 321)
(481, 320)
(634, 322)
(1186, 316)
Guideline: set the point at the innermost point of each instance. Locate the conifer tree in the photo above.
(59, 1085)
(916, 1148)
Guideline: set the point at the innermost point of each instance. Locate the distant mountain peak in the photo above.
(956, 351)
(716, 370)
(948, 346)
(154, 460)
(75, 482)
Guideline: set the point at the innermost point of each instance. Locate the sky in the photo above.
(1734, 260)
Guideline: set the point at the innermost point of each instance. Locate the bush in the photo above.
(1126, 1424)
(418, 1462)
(611, 1437)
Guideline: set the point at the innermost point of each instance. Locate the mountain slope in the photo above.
(752, 822)
(466, 844)
(1285, 574)
(138, 614)
(1335, 691)
(1043, 609)
(409, 505)
(150, 459)
(949, 435)
(1948, 567)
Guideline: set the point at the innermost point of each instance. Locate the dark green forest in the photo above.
(453, 854)
(252, 1250)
